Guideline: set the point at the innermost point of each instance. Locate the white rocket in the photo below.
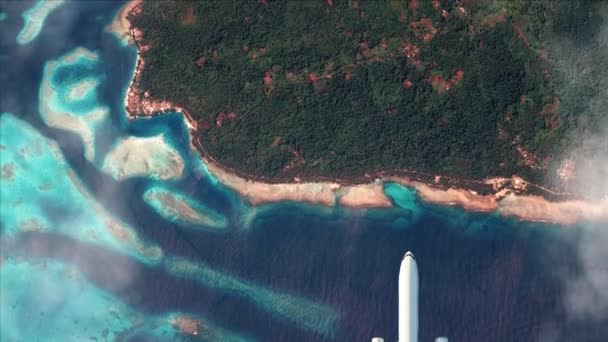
(408, 301)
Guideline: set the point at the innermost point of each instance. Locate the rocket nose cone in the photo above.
(409, 254)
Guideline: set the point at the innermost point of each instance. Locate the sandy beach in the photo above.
(367, 195)
(363, 196)
(536, 208)
(261, 193)
(120, 25)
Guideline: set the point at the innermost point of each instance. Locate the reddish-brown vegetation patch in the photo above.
(313, 78)
(549, 113)
(204, 124)
(221, 117)
(566, 171)
(189, 18)
(441, 85)
(296, 161)
(276, 141)
(457, 77)
(493, 19)
(438, 83)
(436, 4)
(529, 158)
(501, 133)
(522, 100)
(413, 5)
(423, 29)
(267, 79)
(521, 34)
(461, 12)
(363, 50)
(411, 52)
(291, 76)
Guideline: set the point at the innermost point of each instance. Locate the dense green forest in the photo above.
(339, 88)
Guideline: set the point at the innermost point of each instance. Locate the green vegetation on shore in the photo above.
(322, 88)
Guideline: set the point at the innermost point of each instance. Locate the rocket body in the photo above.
(408, 299)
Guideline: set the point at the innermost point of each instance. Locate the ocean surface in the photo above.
(86, 257)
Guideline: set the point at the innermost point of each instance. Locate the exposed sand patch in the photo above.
(150, 156)
(177, 207)
(120, 25)
(34, 18)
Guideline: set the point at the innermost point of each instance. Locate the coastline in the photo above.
(508, 197)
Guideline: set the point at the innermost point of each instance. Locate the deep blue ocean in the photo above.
(482, 277)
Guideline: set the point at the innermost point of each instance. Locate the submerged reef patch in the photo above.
(68, 96)
(33, 19)
(44, 194)
(303, 312)
(53, 300)
(185, 324)
(144, 156)
(177, 207)
(82, 90)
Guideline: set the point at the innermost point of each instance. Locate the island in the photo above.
(469, 103)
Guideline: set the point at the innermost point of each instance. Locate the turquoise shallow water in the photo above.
(87, 255)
